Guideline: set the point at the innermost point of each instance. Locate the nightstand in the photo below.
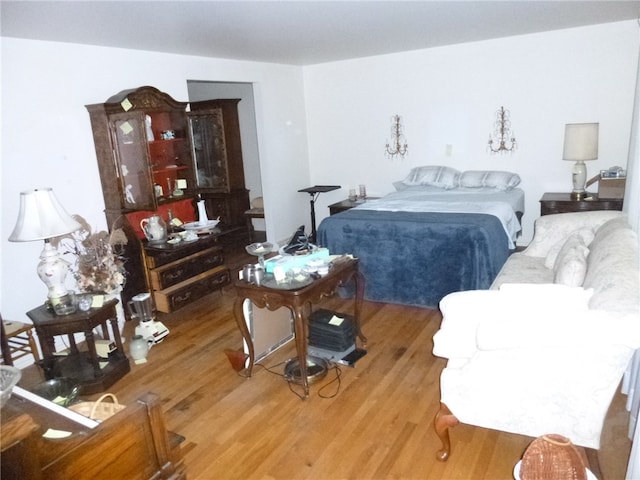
(346, 205)
(551, 203)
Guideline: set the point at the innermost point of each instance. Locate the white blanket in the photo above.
(453, 201)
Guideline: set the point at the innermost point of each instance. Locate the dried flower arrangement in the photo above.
(96, 262)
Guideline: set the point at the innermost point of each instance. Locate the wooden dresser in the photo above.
(182, 273)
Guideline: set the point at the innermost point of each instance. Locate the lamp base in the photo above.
(580, 195)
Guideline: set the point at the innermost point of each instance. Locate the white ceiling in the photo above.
(301, 32)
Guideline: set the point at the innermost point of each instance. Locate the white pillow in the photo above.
(437, 176)
(489, 178)
(571, 265)
(585, 233)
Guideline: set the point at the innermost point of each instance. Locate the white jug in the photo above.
(154, 229)
(202, 213)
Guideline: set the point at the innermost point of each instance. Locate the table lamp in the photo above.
(42, 217)
(580, 145)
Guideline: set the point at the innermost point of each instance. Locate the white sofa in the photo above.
(544, 350)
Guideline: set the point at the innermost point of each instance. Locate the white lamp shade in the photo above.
(581, 141)
(41, 216)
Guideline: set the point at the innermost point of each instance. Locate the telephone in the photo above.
(613, 172)
(298, 243)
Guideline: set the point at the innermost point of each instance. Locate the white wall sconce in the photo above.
(398, 144)
(502, 139)
(580, 145)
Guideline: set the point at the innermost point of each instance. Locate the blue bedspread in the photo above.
(413, 258)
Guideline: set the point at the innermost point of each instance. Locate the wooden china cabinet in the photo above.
(217, 154)
(142, 144)
(142, 147)
(153, 156)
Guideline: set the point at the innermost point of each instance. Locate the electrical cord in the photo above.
(333, 366)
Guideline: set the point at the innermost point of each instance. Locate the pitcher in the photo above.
(154, 229)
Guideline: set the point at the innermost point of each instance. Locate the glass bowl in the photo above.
(9, 377)
(62, 390)
(259, 249)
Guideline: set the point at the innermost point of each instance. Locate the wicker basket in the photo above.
(98, 410)
(552, 456)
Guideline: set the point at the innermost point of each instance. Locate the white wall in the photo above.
(47, 141)
(449, 95)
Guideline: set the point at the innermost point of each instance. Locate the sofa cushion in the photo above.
(585, 233)
(609, 227)
(521, 268)
(571, 265)
(612, 269)
(560, 296)
(551, 229)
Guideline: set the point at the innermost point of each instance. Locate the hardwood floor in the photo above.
(374, 421)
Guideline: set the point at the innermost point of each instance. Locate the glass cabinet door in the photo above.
(132, 161)
(209, 151)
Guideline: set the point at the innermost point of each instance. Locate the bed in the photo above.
(441, 231)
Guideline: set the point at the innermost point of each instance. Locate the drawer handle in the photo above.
(174, 274)
(213, 261)
(178, 299)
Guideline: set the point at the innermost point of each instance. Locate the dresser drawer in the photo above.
(179, 295)
(187, 267)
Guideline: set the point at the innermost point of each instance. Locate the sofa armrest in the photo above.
(515, 306)
(462, 312)
(551, 229)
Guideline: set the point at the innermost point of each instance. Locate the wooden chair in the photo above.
(17, 341)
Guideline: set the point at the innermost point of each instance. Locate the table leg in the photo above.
(358, 278)
(91, 344)
(244, 330)
(299, 327)
(73, 348)
(47, 344)
(113, 321)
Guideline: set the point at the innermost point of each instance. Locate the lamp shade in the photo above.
(580, 141)
(41, 216)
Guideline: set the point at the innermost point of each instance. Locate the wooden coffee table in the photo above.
(340, 273)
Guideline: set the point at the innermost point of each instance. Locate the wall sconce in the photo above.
(398, 144)
(502, 135)
(41, 217)
(580, 145)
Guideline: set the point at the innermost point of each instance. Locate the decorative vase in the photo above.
(138, 348)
